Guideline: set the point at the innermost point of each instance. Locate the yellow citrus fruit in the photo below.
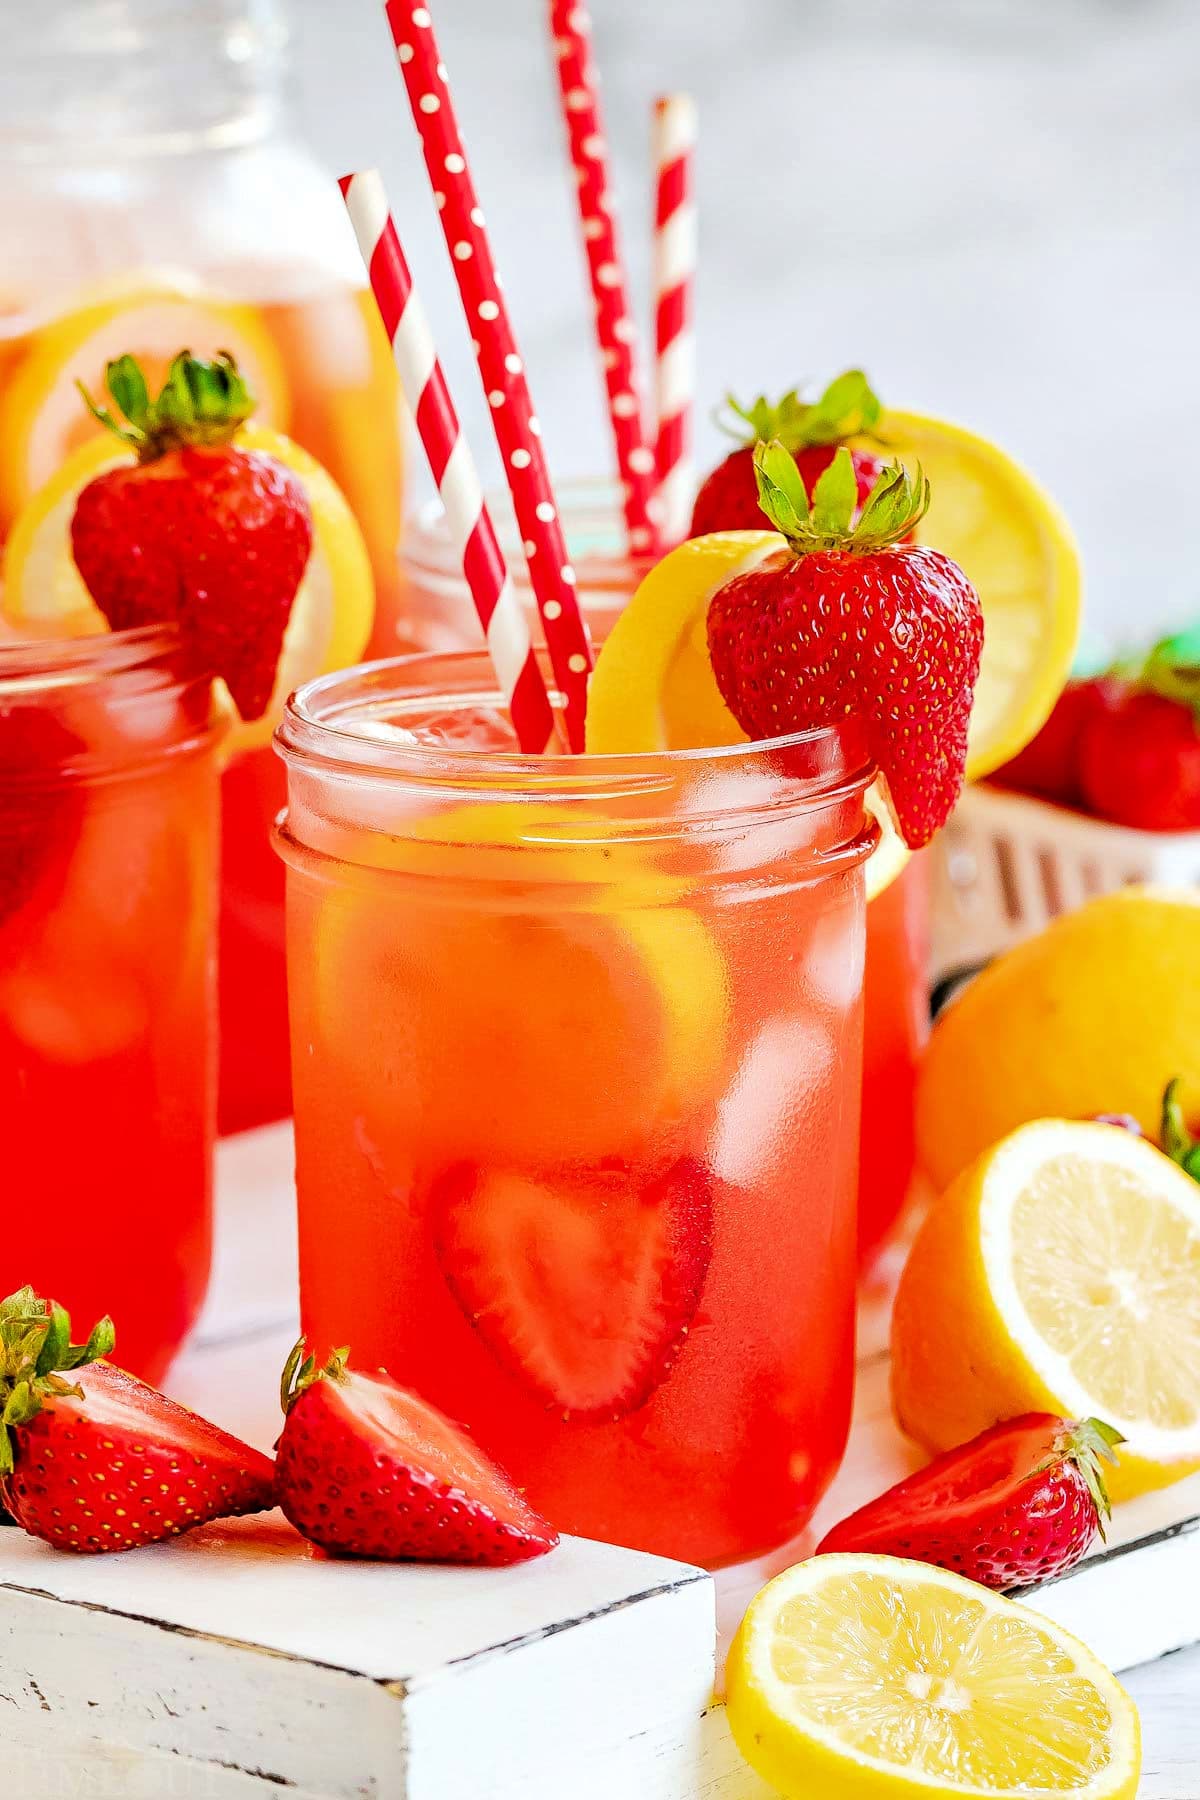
(582, 1004)
(332, 613)
(1009, 536)
(653, 687)
(1094, 1015)
(1059, 1273)
(42, 416)
(873, 1678)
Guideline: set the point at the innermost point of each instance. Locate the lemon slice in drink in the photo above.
(1010, 538)
(653, 687)
(1059, 1273)
(872, 1678)
(42, 418)
(332, 613)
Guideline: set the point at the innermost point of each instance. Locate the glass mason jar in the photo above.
(576, 1052)
(151, 199)
(108, 864)
(438, 615)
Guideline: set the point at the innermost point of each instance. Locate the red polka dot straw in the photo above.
(616, 335)
(674, 281)
(501, 369)
(501, 614)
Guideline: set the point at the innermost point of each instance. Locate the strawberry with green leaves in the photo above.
(93, 1460)
(198, 531)
(1022, 1502)
(852, 619)
(811, 433)
(366, 1468)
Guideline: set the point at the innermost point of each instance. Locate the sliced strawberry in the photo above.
(1019, 1503)
(93, 1460)
(366, 1468)
(582, 1284)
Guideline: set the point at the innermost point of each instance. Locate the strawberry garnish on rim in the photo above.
(1021, 1502)
(852, 620)
(93, 1460)
(582, 1284)
(197, 531)
(366, 1468)
(809, 431)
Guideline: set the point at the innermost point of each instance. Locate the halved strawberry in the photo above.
(583, 1284)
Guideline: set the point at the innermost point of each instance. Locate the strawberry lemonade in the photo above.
(576, 1053)
(108, 866)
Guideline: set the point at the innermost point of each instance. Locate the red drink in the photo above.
(108, 840)
(896, 1026)
(576, 1059)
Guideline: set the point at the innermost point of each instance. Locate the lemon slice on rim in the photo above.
(332, 613)
(1010, 538)
(653, 687)
(42, 418)
(1059, 1273)
(873, 1678)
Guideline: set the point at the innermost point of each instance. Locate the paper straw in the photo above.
(501, 370)
(472, 533)
(674, 285)
(616, 335)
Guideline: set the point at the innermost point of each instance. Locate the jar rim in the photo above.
(820, 763)
(53, 661)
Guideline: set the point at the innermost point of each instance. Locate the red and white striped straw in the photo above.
(472, 533)
(616, 334)
(674, 300)
(501, 370)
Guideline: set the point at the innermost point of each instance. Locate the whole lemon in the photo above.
(1094, 1015)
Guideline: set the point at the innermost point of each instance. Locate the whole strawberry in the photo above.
(92, 1460)
(1139, 752)
(1021, 1502)
(197, 531)
(1049, 764)
(366, 1468)
(728, 498)
(850, 619)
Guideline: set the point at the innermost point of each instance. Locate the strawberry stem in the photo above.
(1088, 1443)
(35, 1352)
(896, 504)
(848, 408)
(300, 1372)
(200, 404)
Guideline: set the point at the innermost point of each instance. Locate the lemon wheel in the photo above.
(872, 1678)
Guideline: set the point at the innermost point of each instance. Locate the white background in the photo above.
(990, 204)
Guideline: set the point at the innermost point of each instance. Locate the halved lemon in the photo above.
(42, 417)
(653, 687)
(873, 1678)
(332, 613)
(1059, 1273)
(1010, 538)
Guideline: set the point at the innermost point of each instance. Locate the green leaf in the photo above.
(57, 1340)
(1177, 1141)
(848, 407)
(127, 385)
(781, 490)
(835, 496)
(23, 1304)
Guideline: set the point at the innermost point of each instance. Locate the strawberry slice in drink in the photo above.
(582, 1284)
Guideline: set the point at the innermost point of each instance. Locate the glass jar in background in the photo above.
(108, 877)
(438, 615)
(151, 200)
(576, 1049)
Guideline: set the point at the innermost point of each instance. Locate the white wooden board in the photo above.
(236, 1662)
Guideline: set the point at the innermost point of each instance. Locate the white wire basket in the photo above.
(1005, 865)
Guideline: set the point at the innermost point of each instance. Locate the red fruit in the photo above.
(1139, 760)
(101, 1461)
(1048, 766)
(40, 808)
(1019, 1503)
(728, 499)
(851, 620)
(197, 531)
(582, 1285)
(365, 1468)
